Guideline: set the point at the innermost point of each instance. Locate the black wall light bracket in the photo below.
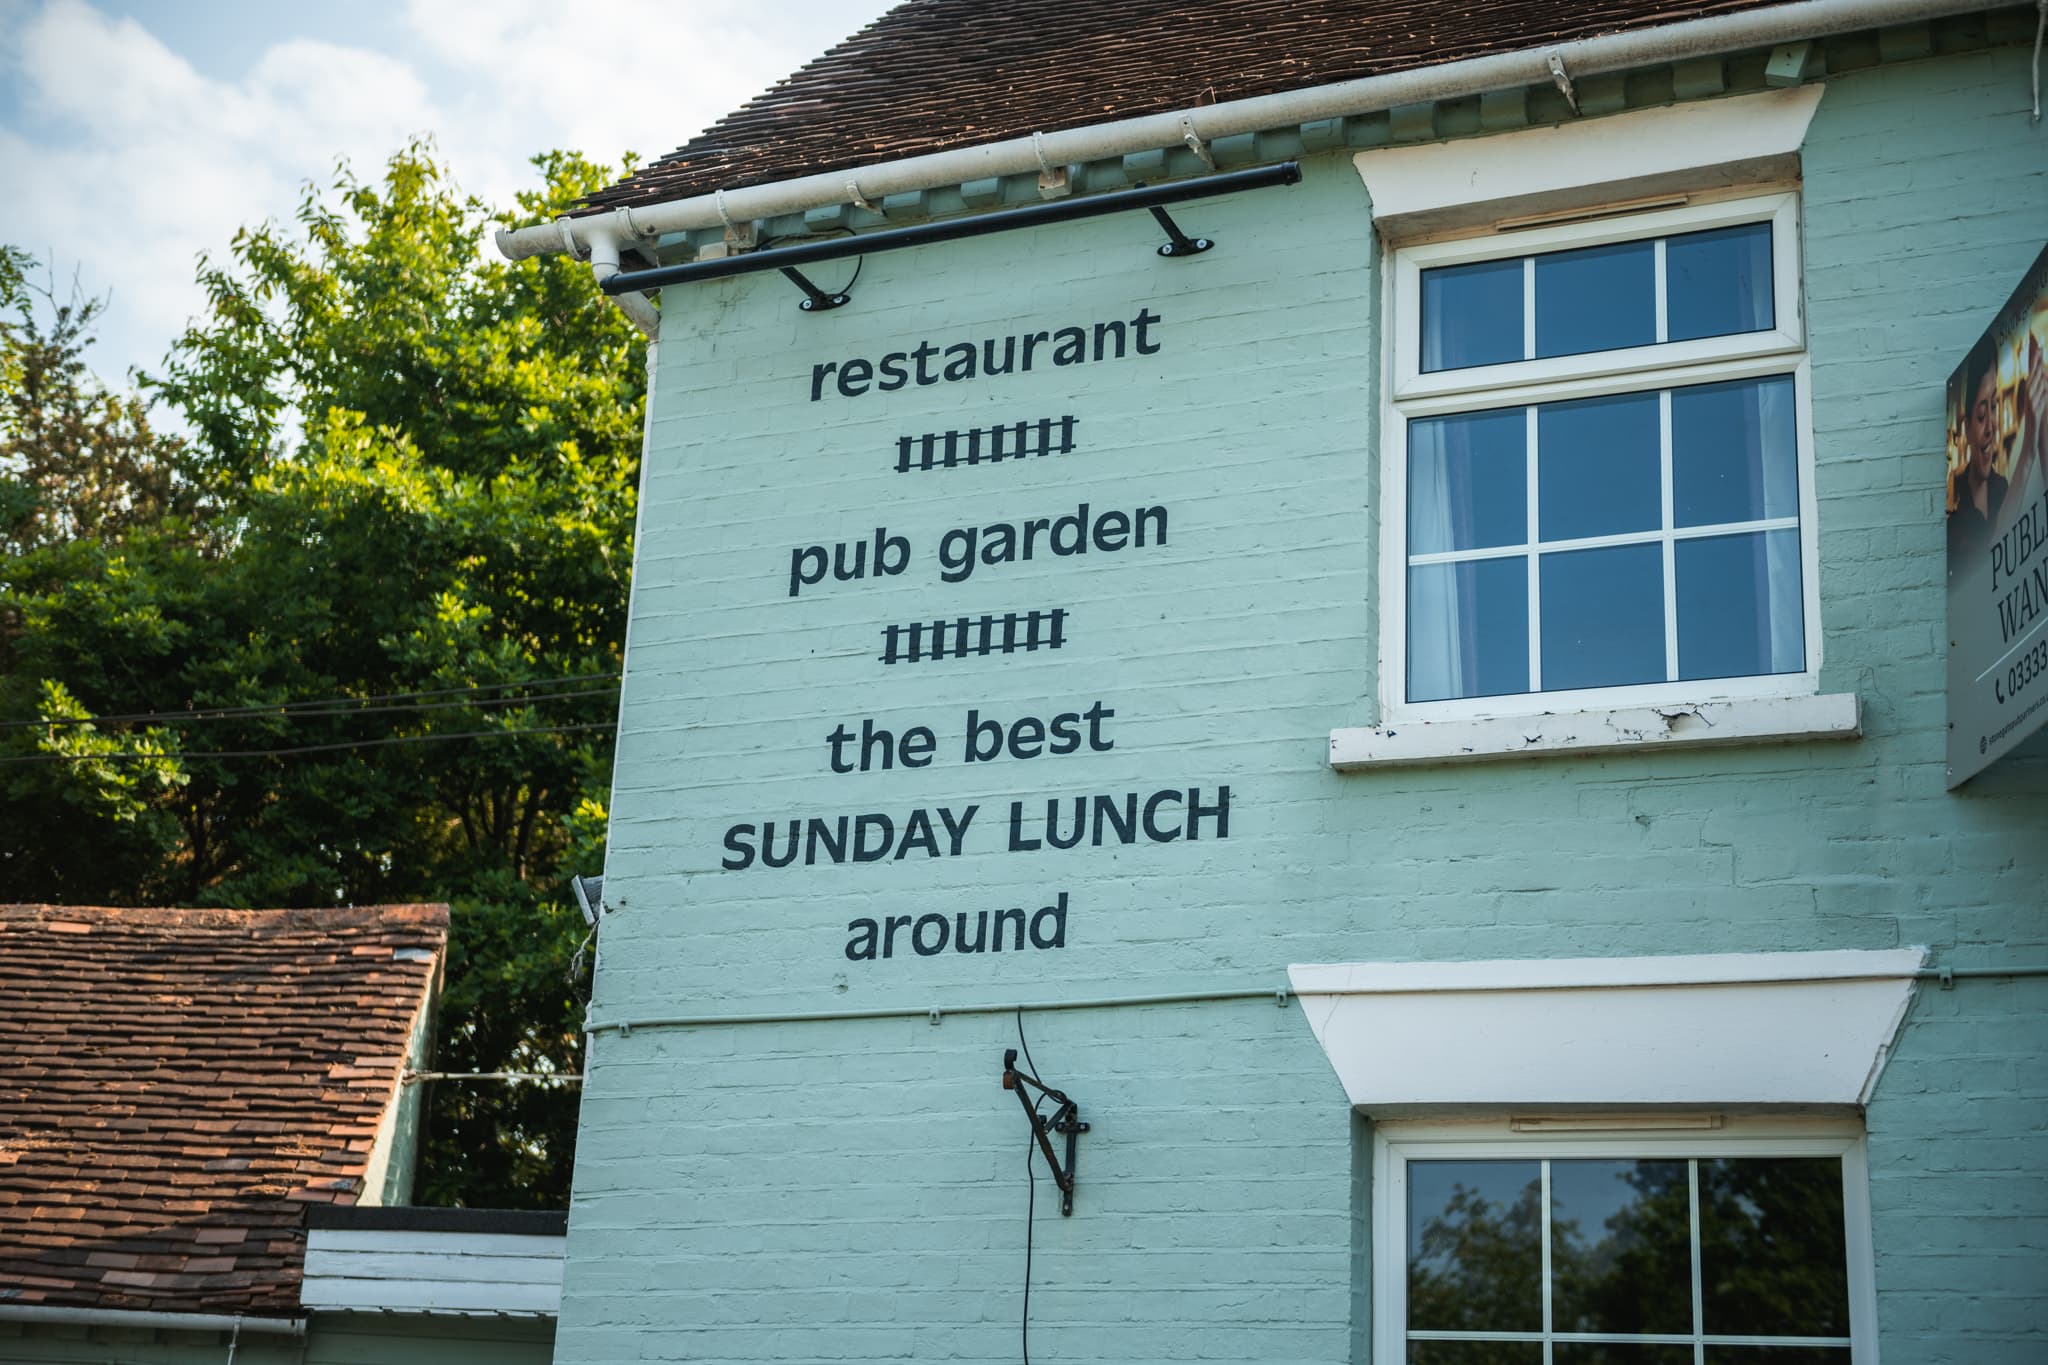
(1182, 244)
(1065, 1120)
(816, 300)
(787, 258)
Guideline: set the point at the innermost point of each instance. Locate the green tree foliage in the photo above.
(411, 469)
(75, 458)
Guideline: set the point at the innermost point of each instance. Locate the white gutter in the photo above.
(599, 235)
(162, 1322)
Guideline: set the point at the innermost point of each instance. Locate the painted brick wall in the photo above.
(854, 1190)
(1917, 227)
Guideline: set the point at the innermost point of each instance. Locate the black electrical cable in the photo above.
(320, 707)
(1031, 1193)
(1030, 1218)
(132, 757)
(321, 711)
(858, 264)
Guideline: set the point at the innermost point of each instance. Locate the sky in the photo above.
(136, 135)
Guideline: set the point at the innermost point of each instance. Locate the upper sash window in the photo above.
(1601, 455)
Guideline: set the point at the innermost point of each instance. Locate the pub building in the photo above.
(1325, 682)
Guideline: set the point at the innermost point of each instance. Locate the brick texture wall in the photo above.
(854, 1190)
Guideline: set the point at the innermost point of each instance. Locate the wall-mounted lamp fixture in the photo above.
(1065, 1120)
(589, 893)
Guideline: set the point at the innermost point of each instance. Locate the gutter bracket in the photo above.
(738, 236)
(646, 243)
(817, 300)
(1563, 80)
(860, 201)
(1053, 181)
(1194, 142)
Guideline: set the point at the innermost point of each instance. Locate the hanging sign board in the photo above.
(1998, 534)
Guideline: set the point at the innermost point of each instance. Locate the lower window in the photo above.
(1532, 1249)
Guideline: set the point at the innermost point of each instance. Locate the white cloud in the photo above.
(639, 74)
(143, 163)
(127, 159)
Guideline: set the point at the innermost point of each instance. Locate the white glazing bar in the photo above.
(1729, 528)
(1624, 1338)
(1528, 308)
(1726, 528)
(1468, 556)
(1663, 295)
(1664, 460)
(1534, 561)
(1547, 1324)
(1699, 1324)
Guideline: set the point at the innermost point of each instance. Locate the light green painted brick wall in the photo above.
(854, 1191)
(1926, 198)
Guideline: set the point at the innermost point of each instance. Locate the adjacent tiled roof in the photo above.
(934, 74)
(177, 1085)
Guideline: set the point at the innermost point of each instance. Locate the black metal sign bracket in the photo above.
(1182, 244)
(816, 300)
(1066, 1120)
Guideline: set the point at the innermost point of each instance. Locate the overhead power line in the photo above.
(311, 748)
(343, 706)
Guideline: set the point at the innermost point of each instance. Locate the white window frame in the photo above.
(1667, 1136)
(1411, 394)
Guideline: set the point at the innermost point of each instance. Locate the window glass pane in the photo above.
(1596, 299)
(1740, 611)
(1620, 1247)
(1475, 1353)
(1598, 471)
(1471, 315)
(1734, 452)
(1718, 283)
(1603, 617)
(1619, 1353)
(1777, 1355)
(1474, 1246)
(1468, 479)
(1773, 1257)
(1468, 629)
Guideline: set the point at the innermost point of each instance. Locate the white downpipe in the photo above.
(38, 1314)
(603, 241)
(1452, 80)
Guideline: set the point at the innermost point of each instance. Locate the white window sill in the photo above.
(1757, 720)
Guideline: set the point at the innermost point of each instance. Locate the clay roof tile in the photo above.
(175, 1080)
